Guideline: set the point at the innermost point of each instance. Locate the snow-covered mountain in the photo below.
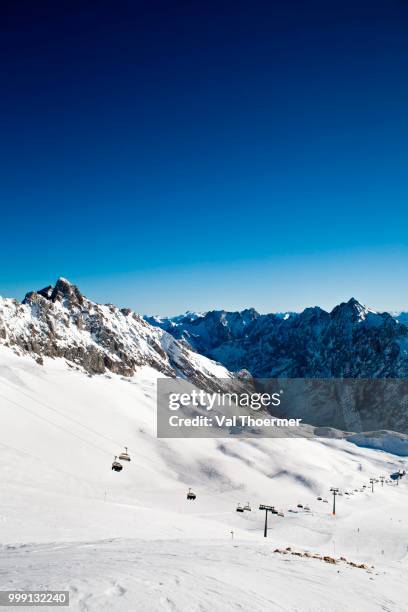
(350, 341)
(58, 321)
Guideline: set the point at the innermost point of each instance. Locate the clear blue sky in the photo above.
(190, 155)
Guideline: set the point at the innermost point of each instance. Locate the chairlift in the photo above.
(116, 466)
(281, 514)
(319, 498)
(300, 505)
(191, 495)
(124, 456)
(247, 507)
(306, 508)
(240, 508)
(325, 501)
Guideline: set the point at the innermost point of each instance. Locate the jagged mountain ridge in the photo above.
(58, 321)
(350, 341)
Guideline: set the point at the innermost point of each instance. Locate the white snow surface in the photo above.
(130, 541)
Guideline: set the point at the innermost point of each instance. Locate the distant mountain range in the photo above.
(351, 341)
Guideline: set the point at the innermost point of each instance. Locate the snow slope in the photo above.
(131, 541)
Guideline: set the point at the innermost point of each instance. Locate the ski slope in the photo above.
(130, 541)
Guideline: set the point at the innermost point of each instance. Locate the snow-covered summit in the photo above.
(59, 321)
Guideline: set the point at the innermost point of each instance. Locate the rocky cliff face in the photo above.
(351, 341)
(58, 321)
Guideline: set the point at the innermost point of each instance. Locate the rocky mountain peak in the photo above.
(58, 321)
(352, 310)
(62, 291)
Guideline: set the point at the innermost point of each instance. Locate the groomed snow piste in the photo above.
(130, 541)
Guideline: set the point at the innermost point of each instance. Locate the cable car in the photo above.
(124, 456)
(191, 495)
(240, 508)
(116, 466)
(247, 507)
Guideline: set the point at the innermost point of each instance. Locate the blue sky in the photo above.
(174, 156)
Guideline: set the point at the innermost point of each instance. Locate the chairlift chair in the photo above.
(300, 505)
(116, 466)
(240, 508)
(191, 495)
(124, 456)
(281, 514)
(319, 498)
(247, 507)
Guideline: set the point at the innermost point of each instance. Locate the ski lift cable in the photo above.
(102, 450)
(65, 416)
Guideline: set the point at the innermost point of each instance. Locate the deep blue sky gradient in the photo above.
(189, 155)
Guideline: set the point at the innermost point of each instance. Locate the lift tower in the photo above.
(335, 492)
(267, 509)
